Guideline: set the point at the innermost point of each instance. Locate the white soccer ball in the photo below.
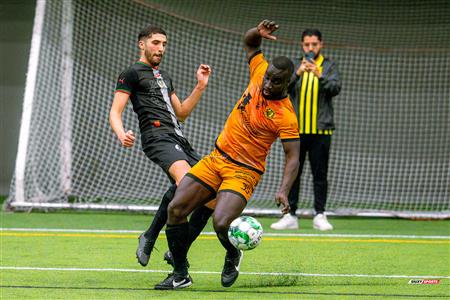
(245, 233)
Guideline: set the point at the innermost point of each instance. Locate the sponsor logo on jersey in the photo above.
(161, 83)
(269, 113)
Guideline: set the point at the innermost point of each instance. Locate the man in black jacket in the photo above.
(312, 89)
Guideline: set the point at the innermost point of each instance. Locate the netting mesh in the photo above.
(391, 149)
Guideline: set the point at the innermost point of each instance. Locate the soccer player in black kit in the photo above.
(159, 111)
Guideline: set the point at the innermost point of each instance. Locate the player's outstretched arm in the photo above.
(292, 153)
(184, 109)
(253, 37)
(115, 119)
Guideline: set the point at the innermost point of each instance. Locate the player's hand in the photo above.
(203, 73)
(266, 28)
(127, 139)
(281, 199)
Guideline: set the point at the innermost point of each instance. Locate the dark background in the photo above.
(16, 26)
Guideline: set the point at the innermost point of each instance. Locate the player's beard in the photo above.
(152, 58)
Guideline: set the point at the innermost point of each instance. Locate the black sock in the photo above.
(232, 251)
(177, 239)
(197, 222)
(160, 218)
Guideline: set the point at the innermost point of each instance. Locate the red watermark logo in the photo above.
(424, 281)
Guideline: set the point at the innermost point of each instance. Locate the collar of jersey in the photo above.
(145, 64)
(280, 99)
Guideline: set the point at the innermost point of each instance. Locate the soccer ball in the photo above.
(245, 233)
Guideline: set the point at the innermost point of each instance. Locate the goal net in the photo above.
(390, 153)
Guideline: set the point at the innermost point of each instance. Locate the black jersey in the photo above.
(150, 90)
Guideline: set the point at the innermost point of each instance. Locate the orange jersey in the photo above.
(255, 122)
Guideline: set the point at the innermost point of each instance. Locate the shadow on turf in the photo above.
(280, 281)
(238, 291)
(270, 282)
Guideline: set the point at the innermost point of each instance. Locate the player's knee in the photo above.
(176, 211)
(200, 216)
(221, 224)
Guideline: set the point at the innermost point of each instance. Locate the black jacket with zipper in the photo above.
(329, 87)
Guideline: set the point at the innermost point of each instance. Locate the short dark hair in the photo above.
(312, 32)
(283, 63)
(149, 30)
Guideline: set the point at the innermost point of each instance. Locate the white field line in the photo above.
(208, 272)
(265, 234)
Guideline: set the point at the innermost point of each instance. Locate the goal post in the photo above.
(19, 173)
(390, 153)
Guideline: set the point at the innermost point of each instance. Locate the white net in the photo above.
(390, 152)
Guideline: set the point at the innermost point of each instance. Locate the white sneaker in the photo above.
(288, 221)
(320, 222)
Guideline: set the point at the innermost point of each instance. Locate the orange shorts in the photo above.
(220, 174)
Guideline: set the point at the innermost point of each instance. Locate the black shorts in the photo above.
(168, 148)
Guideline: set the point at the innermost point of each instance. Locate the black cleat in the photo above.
(174, 282)
(168, 257)
(230, 270)
(144, 250)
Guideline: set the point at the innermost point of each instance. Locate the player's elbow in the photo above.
(181, 115)
(182, 118)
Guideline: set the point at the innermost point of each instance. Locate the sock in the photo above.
(197, 222)
(231, 250)
(177, 239)
(160, 218)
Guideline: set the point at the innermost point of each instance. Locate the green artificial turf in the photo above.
(48, 264)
